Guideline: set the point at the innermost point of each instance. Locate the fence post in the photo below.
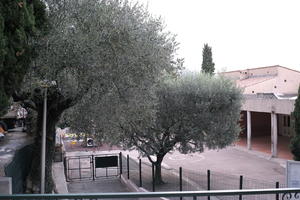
(140, 169)
(153, 178)
(93, 167)
(121, 165)
(127, 166)
(180, 180)
(277, 186)
(241, 187)
(208, 182)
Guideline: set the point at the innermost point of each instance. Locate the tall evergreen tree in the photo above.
(295, 142)
(19, 21)
(208, 66)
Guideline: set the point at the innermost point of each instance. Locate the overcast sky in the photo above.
(242, 33)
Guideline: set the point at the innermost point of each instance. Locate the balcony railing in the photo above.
(283, 194)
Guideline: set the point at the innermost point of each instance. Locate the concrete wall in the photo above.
(270, 71)
(59, 178)
(269, 105)
(285, 80)
(263, 87)
(288, 81)
(5, 185)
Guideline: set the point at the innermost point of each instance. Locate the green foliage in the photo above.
(295, 142)
(17, 27)
(3, 102)
(127, 52)
(208, 66)
(189, 113)
(192, 112)
(111, 51)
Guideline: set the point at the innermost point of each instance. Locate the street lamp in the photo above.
(45, 84)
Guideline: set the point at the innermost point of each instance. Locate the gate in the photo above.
(91, 167)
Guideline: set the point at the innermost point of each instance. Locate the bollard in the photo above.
(241, 187)
(93, 167)
(120, 161)
(140, 169)
(127, 166)
(153, 178)
(180, 180)
(208, 182)
(277, 186)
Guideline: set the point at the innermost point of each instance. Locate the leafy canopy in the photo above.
(187, 114)
(192, 112)
(95, 50)
(19, 23)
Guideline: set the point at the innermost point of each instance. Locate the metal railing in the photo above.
(286, 193)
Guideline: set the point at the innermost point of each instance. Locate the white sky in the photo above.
(242, 33)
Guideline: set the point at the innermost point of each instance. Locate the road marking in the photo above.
(194, 157)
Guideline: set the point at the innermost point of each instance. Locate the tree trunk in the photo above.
(33, 180)
(158, 174)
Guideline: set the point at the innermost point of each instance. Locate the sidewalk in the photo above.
(97, 186)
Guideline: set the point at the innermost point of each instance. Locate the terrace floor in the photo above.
(263, 144)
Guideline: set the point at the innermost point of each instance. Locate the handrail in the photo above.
(286, 191)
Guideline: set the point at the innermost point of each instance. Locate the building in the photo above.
(269, 98)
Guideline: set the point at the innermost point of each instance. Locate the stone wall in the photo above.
(15, 159)
(19, 168)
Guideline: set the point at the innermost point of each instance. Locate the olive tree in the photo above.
(93, 48)
(189, 113)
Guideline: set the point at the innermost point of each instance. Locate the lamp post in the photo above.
(43, 146)
(45, 84)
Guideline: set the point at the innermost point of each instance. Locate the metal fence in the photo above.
(186, 180)
(286, 193)
(91, 167)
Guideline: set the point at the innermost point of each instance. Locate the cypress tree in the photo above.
(295, 142)
(208, 66)
(19, 21)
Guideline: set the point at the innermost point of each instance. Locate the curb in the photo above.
(134, 188)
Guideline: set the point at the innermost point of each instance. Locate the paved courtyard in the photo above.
(233, 161)
(98, 186)
(226, 165)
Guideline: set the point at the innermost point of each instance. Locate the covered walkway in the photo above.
(263, 144)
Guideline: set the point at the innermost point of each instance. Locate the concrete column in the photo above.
(248, 130)
(5, 185)
(274, 134)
